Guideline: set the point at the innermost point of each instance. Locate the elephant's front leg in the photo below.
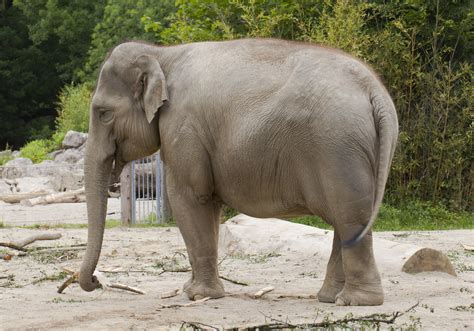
(198, 221)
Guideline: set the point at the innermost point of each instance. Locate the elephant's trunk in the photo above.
(97, 169)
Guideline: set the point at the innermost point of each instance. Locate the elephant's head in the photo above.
(123, 127)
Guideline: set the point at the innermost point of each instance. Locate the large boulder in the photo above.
(74, 139)
(18, 167)
(34, 184)
(73, 156)
(6, 188)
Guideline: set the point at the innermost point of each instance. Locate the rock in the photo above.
(34, 184)
(6, 188)
(18, 167)
(74, 139)
(19, 162)
(427, 259)
(67, 179)
(69, 156)
(242, 234)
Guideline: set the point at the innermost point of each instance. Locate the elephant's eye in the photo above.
(106, 116)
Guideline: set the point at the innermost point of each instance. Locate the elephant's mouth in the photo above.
(115, 175)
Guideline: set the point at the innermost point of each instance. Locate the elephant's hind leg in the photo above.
(198, 222)
(362, 285)
(334, 280)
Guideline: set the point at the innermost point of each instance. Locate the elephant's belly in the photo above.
(262, 189)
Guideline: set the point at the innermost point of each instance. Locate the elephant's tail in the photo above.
(386, 125)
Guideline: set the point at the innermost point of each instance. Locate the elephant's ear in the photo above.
(151, 85)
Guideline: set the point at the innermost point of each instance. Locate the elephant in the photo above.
(268, 127)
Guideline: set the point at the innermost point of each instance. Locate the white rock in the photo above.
(74, 139)
(34, 184)
(69, 156)
(18, 167)
(5, 188)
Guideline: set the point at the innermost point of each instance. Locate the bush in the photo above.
(413, 215)
(37, 150)
(5, 156)
(421, 49)
(73, 110)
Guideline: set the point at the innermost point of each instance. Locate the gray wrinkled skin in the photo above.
(269, 127)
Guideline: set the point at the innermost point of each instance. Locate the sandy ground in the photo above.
(137, 256)
(59, 213)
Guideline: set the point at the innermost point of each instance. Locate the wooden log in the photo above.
(69, 196)
(166, 214)
(125, 194)
(18, 197)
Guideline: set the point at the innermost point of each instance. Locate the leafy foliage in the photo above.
(121, 21)
(73, 110)
(28, 82)
(422, 50)
(411, 215)
(64, 29)
(36, 150)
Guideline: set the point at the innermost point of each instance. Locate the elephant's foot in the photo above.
(199, 290)
(188, 283)
(328, 293)
(361, 295)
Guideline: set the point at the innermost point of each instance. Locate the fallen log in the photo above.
(69, 196)
(18, 197)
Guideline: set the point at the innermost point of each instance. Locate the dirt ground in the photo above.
(139, 257)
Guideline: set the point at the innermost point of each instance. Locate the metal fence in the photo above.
(142, 185)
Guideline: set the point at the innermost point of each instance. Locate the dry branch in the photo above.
(70, 196)
(170, 294)
(125, 288)
(372, 318)
(468, 248)
(178, 305)
(21, 244)
(75, 276)
(197, 326)
(72, 279)
(233, 281)
(263, 291)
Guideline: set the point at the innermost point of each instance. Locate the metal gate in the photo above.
(142, 184)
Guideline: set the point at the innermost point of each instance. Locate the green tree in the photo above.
(122, 21)
(64, 29)
(28, 81)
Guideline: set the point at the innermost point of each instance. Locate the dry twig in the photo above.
(263, 291)
(198, 326)
(125, 288)
(75, 276)
(238, 282)
(170, 294)
(372, 318)
(179, 305)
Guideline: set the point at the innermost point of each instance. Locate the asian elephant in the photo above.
(271, 128)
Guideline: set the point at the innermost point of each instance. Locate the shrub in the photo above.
(37, 150)
(73, 110)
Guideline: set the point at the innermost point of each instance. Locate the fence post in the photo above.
(125, 194)
(165, 205)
